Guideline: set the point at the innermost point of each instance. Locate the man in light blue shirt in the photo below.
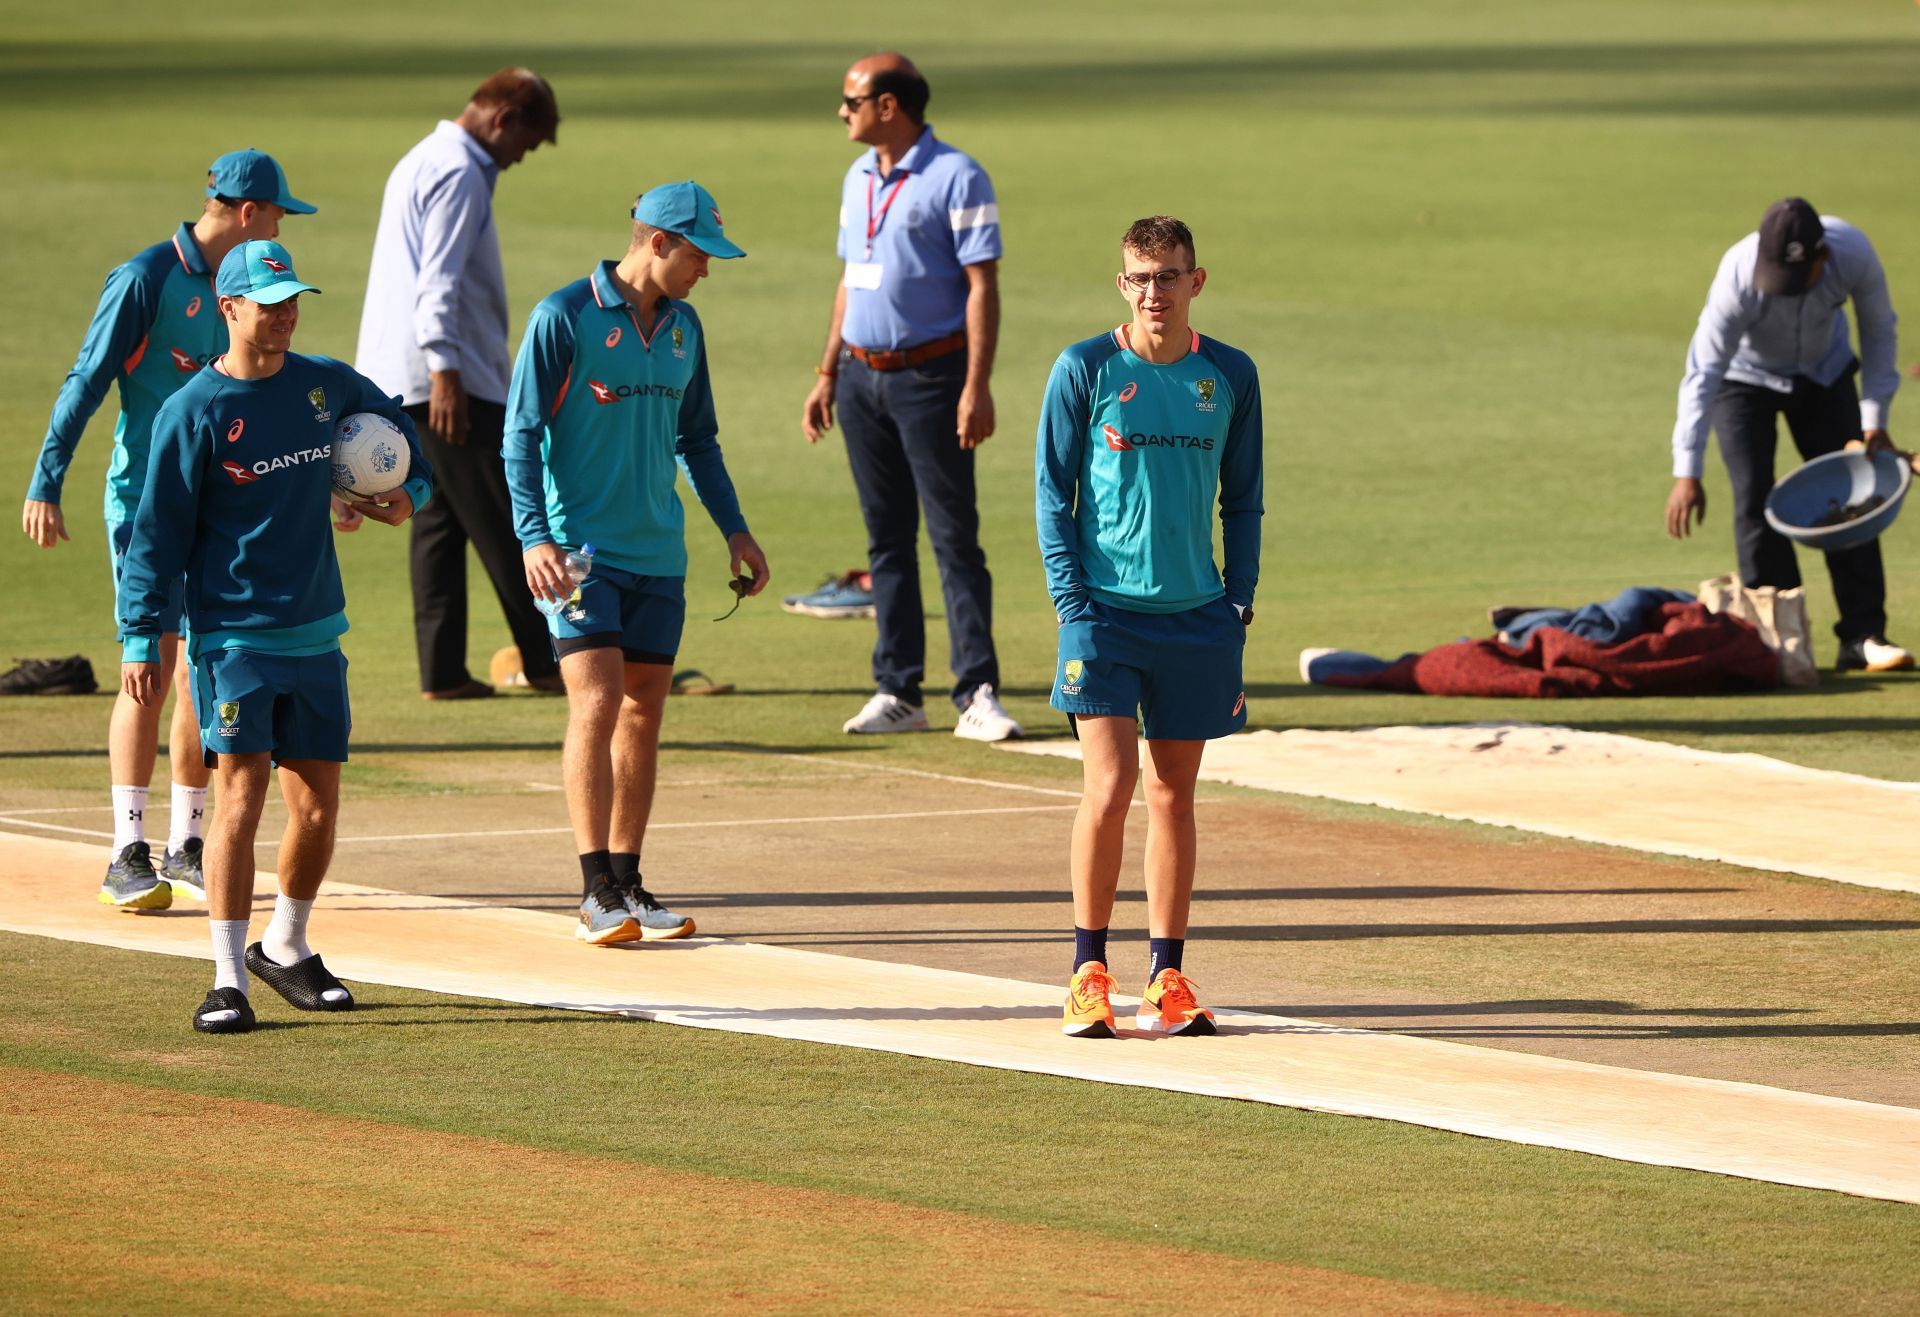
(1773, 341)
(908, 357)
(434, 331)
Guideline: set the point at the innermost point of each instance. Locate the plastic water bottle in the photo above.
(579, 566)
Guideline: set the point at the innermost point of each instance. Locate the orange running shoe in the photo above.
(1089, 1013)
(1169, 1006)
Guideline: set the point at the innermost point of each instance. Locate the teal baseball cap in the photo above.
(690, 211)
(260, 271)
(252, 175)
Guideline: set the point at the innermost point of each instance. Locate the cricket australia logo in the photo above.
(1205, 389)
(1073, 670)
(229, 718)
(318, 397)
(679, 344)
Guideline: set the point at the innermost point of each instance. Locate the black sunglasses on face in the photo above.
(854, 102)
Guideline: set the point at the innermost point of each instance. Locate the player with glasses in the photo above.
(1142, 431)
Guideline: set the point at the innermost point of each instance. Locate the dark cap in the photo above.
(1791, 236)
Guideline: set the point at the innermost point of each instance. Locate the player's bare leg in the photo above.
(136, 879)
(281, 958)
(636, 758)
(229, 877)
(594, 680)
(1169, 1004)
(1110, 768)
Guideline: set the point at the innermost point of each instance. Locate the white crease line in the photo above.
(717, 823)
(55, 827)
(911, 772)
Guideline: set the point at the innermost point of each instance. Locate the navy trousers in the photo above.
(1821, 419)
(899, 427)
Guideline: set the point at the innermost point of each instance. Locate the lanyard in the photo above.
(875, 221)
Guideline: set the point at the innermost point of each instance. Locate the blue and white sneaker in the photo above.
(605, 919)
(131, 883)
(846, 595)
(657, 923)
(183, 871)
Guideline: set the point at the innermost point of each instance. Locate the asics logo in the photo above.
(234, 431)
(613, 336)
(1126, 394)
(192, 308)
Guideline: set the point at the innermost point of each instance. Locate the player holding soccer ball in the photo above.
(237, 495)
(609, 392)
(1141, 428)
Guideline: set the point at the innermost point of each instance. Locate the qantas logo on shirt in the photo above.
(192, 308)
(278, 267)
(246, 475)
(186, 364)
(603, 394)
(1127, 443)
(613, 336)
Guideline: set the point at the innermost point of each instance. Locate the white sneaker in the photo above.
(887, 713)
(984, 720)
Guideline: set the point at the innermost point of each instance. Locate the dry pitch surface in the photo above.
(1342, 915)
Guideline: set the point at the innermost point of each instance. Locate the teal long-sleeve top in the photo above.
(598, 416)
(238, 496)
(1128, 462)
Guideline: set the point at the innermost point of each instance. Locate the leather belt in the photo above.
(902, 358)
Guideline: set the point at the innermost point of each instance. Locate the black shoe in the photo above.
(68, 676)
(183, 872)
(1872, 654)
(131, 883)
(304, 983)
(224, 999)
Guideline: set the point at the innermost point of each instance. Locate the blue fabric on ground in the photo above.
(1619, 619)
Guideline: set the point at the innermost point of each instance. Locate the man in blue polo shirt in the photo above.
(1141, 429)
(155, 327)
(236, 497)
(908, 358)
(610, 393)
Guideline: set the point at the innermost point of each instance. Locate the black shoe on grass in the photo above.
(68, 676)
(305, 984)
(226, 1010)
(131, 883)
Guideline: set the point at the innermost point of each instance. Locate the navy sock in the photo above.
(1163, 953)
(1088, 944)
(626, 868)
(594, 865)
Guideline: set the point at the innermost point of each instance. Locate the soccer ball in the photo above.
(370, 455)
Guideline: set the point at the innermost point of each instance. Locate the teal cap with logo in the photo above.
(690, 211)
(260, 271)
(252, 175)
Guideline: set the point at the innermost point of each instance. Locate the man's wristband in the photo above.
(824, 373)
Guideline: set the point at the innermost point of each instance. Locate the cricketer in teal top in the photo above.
(238, 494)
(155, 326)
(1129, 459)
(599, 414)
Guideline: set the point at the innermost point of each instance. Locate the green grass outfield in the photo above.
(1365, 1197)
(1466, 243)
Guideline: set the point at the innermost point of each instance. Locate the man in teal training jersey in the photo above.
(1142, 428)
(236, 498)
(609, 393)
(156, 326)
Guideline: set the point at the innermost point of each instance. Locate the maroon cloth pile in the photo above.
(1690, 651)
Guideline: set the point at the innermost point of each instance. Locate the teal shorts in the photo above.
(1179, 673)
(294, 706)
(642, 616)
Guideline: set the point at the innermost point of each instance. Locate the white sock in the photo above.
(285, 940)
(129, 817)
(229, 953)
(189, 809)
